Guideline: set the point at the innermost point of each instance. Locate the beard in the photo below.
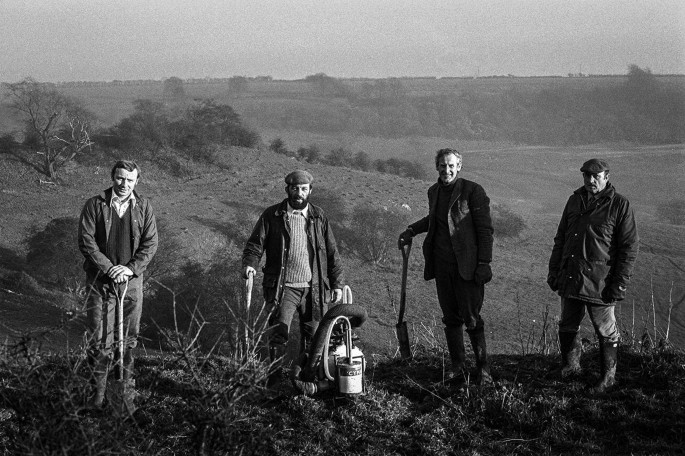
(297, 203)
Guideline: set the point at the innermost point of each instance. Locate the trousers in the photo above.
(601, 316)
(460, 300)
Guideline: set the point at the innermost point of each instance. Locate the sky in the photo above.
(95, 40)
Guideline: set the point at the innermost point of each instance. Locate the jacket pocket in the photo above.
(597, 275)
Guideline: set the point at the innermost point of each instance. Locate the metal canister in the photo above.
(350, 377)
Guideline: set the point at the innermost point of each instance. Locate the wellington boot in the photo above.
(571, 349)
(454, 336)
(276, 355)
(99, 365)
(483, 376)
(608, 356)
(99, 382)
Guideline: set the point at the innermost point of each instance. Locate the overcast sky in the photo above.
(64, 40)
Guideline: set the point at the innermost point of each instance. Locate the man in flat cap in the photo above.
(303, 270)
(591, 264)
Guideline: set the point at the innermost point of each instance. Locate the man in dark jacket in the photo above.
(118, 238)
(591, 264)
(303, 270)
(457, 252)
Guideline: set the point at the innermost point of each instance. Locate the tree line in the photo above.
(346, 158)
(57, 128)
(642, 109)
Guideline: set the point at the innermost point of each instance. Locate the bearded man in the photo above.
(303, 270)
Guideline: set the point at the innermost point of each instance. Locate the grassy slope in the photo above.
(209, 407)
(404, 411)
(218, 205)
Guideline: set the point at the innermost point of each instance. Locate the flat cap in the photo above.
(299, 177)
(594, 166)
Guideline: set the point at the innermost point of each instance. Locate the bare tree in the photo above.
(60, 124)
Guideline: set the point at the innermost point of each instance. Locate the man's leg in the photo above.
(572, 314)
(604, 322)
(280, 320)
(445, 277)
(99, 325)
(470, 297)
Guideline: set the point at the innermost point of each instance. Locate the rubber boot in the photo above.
(276, 355)
(454, 335)
(130, 393)
(483, 376)
(99, 367)
(608, 359)
(571, 349)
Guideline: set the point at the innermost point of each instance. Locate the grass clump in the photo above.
(194, 403)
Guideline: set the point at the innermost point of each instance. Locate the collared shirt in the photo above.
(304, 212)
(121, 206)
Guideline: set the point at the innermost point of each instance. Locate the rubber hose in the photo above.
(357, 316)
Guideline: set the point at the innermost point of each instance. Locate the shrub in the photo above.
(374, 232)
(52, 252)
(203, 123)
(506, 222)
(7, 143)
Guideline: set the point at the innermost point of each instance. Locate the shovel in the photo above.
(248, 300)
(401, 327)
(120, 393)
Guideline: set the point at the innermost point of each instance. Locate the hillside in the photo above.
(214, 207)
(206, 406)
(216, 404)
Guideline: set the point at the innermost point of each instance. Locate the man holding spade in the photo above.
(117, 235)
(457, 252)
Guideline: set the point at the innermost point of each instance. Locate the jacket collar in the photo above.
(282, 209)
(607, 193)
(107, 195)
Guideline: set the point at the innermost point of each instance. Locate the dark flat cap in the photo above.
(594, 166)
(299, 177)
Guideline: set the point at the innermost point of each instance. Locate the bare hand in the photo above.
(336, 295)
(119, 273)
(248, 271)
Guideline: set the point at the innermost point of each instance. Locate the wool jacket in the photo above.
(595, 246)
(470, 224)
(94, 229)
(271, 235)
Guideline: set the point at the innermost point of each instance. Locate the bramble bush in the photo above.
(373, 232)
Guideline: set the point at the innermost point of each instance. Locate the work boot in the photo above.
(276, 355)
(608, 355)
(454, 335)
(483, 376)
(571, 348)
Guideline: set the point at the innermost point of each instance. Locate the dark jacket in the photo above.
(271, 234)
(595, 245)
(93, 231)
(470, 227)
